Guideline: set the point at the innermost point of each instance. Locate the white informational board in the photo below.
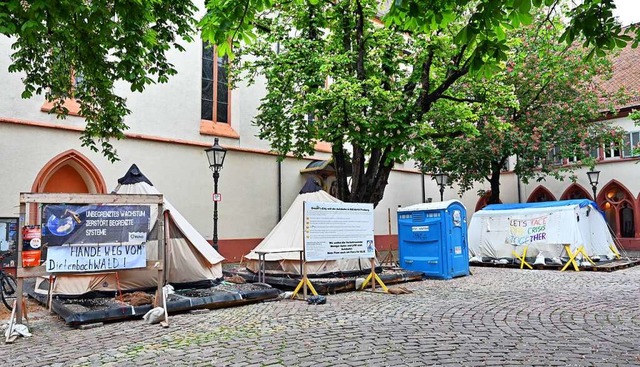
(338, 231)
(4, 244)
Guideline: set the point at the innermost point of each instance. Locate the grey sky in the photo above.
(628, 11)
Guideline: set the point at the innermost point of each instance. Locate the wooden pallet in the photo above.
(606, 267)
(614, 265)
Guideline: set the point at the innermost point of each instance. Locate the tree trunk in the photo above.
(367, 185)
(340, 163)
(494, 198)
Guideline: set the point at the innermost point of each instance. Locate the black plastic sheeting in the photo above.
(328, 285)
(91, 310)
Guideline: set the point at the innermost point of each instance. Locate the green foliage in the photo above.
(394, 91)
(333, 75)
(544, 106)
(101, 42)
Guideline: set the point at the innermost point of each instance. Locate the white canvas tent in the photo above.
(190, 260)
(283, 245)
(499, 229)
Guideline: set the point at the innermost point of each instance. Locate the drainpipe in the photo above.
(519, 183)
(279, 190)
(279, 165)
(424, 194)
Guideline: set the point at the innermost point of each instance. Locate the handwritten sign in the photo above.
(525, 231)
(82, 258)
(338, 231)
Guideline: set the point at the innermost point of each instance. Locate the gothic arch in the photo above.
(74, 165)
(575, 191)
(541, 194)
(619, 207)
(484, 200)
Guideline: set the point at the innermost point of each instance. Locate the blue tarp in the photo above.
(545, 204)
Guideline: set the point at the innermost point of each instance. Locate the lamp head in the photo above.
(216, 155)
(441, 179)
(593, 177)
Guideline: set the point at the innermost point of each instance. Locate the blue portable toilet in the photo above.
(432, 238)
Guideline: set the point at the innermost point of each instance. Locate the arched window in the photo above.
(617, 203)
(484, 200)
(575, 191)
(541, 194)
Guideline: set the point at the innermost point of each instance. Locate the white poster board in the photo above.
(338, 231)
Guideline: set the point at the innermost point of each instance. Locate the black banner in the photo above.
(94, 224)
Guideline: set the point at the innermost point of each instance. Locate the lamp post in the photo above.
(441, 180)
(424, 191)
(593, 180)
(216, 155)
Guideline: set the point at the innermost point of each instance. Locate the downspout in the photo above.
(424, 194)
(279, 190)
(519, 185)
(279, 164)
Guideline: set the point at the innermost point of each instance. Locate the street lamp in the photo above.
(441, 180)
(593, 180)
(216, 155)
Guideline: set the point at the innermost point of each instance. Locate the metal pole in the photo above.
(594, 188)
(442, 193)
(424, 193)
(216, 175)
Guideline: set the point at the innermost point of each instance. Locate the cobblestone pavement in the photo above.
(497, 317)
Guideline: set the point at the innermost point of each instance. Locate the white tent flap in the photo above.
(501, 229)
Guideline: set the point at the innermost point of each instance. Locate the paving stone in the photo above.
(497, 317)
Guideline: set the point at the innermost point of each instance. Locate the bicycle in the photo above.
(8, 285)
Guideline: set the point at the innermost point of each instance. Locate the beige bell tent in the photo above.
(283, 245)
(191, 260)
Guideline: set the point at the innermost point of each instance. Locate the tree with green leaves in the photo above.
(81, 49)
(109, 42)
(546, 106)
(334, 74)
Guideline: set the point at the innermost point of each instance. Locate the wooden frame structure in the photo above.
(28, 199)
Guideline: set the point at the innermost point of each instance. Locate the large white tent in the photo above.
(283, 245)
(498, 230)
(190, 260)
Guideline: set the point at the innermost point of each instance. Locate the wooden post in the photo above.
(373, 272)
(22, 221)
(50, 293)
(13, 314)
(304, 279)
(161, 250)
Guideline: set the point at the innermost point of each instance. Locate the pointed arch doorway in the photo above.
(68, 172)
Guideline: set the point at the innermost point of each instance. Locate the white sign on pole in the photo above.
(338, 231)
(83, 258)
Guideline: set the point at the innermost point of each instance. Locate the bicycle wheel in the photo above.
(8, 288)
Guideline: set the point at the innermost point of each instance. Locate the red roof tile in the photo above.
(626, 74)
